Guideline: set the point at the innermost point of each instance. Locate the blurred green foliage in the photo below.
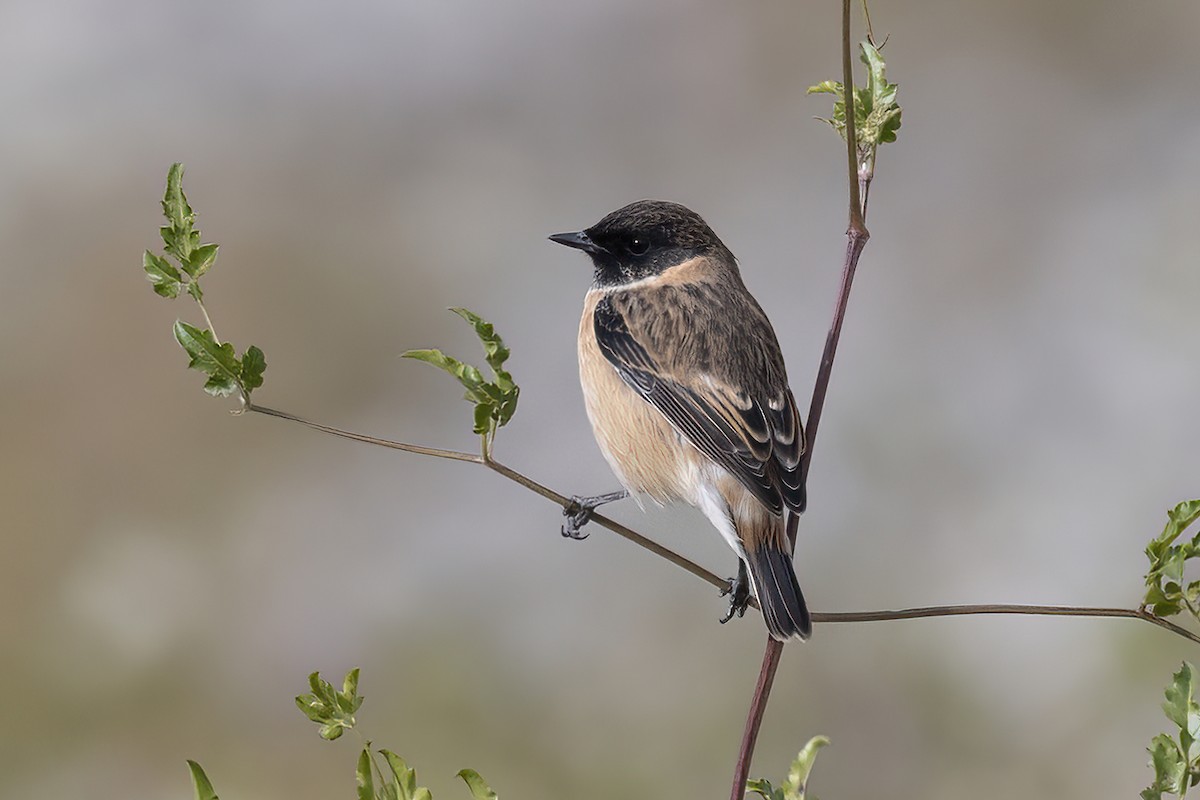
(333, 712)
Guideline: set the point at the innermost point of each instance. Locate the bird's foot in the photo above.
(579, 512)
(739, 594)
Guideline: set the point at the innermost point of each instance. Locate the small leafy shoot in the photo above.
(876, 112)
(227, 374)
(494, 401)
(332, 710)
(1176, 761)
(796, 785)
(1167, 591)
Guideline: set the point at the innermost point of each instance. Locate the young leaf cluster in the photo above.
(399, 782)
(1167, 593)
(876, 112)
(227, 373)
(332, 710)
(795, 787)
(1176, 759)
(495, 401)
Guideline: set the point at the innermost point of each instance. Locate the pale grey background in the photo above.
(1013, 409)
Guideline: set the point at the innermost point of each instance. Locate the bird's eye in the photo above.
(638, 245)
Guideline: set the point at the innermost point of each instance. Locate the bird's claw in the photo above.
(578, 513)
(738, 591)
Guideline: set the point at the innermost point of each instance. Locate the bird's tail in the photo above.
(775, 585)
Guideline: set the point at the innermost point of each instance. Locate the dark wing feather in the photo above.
(754, 441)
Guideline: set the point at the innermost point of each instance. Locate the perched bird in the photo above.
(688, 397)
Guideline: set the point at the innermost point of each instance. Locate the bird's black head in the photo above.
(643, 239)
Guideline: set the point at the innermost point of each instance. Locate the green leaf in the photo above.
(166, 279)
(217, 361)
(193, 289)
(313, 708)
(483, 417)
(404, 780)
(797, 779)
(1170, 768)
(332, 712)
(877, 116)
(201, 260)
(254, 364)
(1181, 707)
(826, 87)
(479, 789)
(331, 731)
(362, 776)
(179, 235)
(350, 684)
(202, 788)
(495, 401)
(493, 346)
(1168, 561)
(446, 363)
(422, 794)
(763, 788)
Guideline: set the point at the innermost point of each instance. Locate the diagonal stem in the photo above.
(695, 569)
(514, 476)
(857, 236)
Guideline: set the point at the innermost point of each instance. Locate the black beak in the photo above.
(579, 240)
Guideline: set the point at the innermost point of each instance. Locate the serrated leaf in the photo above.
(201, 260)
(877, 116)
(494, 349)
(362, 776)
(179, 236)
(495, 401)
(1170, 768)
(479, 788)
(218, 362)
(202, 788)
(254, 364)
(166, 279)
(1181, 707)
(1168, 561)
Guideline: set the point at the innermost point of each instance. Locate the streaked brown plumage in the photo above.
(686, 389)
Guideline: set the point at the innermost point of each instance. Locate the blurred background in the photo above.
(1013, 410)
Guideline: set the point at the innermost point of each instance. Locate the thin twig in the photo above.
(1006, 608)
(453, 455)
(699, 571)
(516, 477)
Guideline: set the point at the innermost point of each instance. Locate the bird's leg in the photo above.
(739, 593)
(579, 512)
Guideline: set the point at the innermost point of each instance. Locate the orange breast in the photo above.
(642, 448)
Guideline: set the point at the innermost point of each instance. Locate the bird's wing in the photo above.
(753, 431)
